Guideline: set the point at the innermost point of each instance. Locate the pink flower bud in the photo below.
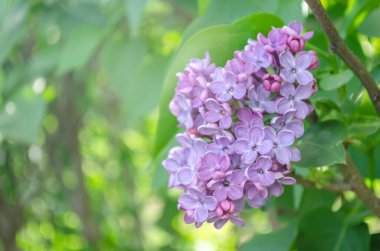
(314, 61)
(295, 43)
(272, 83)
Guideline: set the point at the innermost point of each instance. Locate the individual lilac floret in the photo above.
(226, 211)
(197, 205)
(260, 101)
(213, 166)
(288, 122)
(227, 88)
(296, 68)
(296, 41)
(181, 165)
(181, 108)
(230, 185)
(272, 83)
(259, 172)
(276, 40)
(192, 142)
(221, 146)
(256, 194)
(281, 142)
(258, 57)
(218, 112)
(253, 144)
(292, 98)
(242, 71)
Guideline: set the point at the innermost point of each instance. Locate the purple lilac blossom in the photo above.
(240, 122)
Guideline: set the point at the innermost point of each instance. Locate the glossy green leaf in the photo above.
(364, 125)
(321, 145)
(220, 41)
(280, 240)
(322, 230)
(332, 82)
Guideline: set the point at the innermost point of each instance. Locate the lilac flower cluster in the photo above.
(240, 123)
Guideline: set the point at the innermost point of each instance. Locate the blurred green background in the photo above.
(80, 83)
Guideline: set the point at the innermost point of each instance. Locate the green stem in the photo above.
(371, 167)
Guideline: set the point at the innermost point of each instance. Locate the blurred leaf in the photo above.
(321, 144)
(322, 230)
(220, 41)
(280, 240)
(313, 199)
(331, 82)
(370, 25)
(375, 242)
(12, 28)
(364, 126)
(202, 6)
(78, 48)
(43, 61)
(22, 117)
(134, 11)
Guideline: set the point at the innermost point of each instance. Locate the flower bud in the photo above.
(296, 44)
(272, 83)
(314, 60)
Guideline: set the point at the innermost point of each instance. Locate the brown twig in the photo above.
(354, 178)
(332, 187)
(339, 48)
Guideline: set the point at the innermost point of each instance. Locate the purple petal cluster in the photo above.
(240, 123)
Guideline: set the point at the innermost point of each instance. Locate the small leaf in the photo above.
(321, 144)
(364, 126)
(370, 25)
(220, 41)
(332, 82)
(281, 240)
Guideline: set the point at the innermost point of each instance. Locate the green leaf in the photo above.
(332, 82)
(220, 41)
(202, 6)
(134, 10)
(79, 47)
(322, 230)
(370, 25)
(364, 126)
(280, 240)
(21, 119)
(321, 144)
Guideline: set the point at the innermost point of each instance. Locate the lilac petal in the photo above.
(205, 173)
(188, 219)
(237, 221)
(283, 105)
(283, 155)
(308, 35)
(296, 126)
(303, 60)
(270, 106)
(220, 194)
(200, 214)
(287, 60)
(244, 115)
(287, 90)
(212, 116)
(252, 94)
(242, 132)
(276, 189)
(185, 176)
(235, 192)
(264, 163)
(296, 26)
(265, 147)
(225, 122)
(187, 202)
(239, 91)
(249, 157)
(256, 134)
(220, 223)
(262, 93)
(287, 180)
(241, 146)
(237, 178)
(302, 109)
(285, 138)
(303, 92)
(209, 129)
(210, 203)
(288, 75)
(230, 78)
(217, 87)
(304, 77)
(171, 165)
(270, 133)
(295, 154)
(257, 202)
(212, 105)
(261, 38)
